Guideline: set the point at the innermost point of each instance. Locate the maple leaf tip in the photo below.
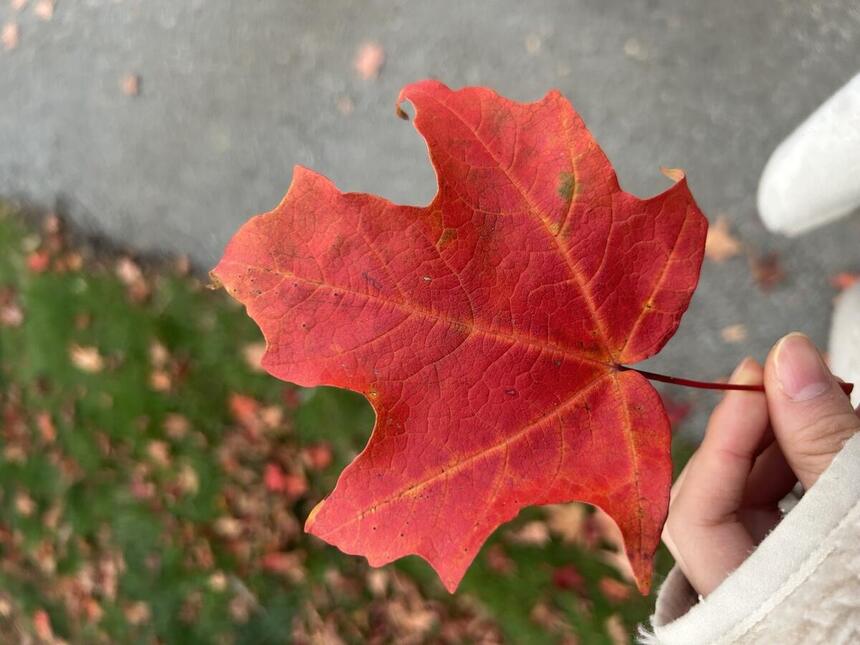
(311, 519)
(214, 281)
(675, 174)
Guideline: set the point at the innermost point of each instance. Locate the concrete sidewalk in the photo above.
(233, 94)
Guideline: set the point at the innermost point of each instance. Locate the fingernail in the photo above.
(745, 373)
(800, 371)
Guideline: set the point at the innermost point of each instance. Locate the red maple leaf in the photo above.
(486, 329)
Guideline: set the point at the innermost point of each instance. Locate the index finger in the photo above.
(715, 487)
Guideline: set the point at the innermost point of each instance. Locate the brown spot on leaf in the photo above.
(566, 186)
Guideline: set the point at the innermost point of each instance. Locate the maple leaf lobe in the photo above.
(485, 329)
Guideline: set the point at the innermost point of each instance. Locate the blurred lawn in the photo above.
(153, 485)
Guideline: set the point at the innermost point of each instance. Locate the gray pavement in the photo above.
(234, 93)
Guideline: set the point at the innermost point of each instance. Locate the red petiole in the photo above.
(705, 385)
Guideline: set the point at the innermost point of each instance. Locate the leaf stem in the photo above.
(706, 385)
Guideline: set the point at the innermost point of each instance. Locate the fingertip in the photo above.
(810, 414)
(797, 369)
(748, 372)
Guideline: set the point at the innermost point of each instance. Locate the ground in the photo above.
(161, 126)
(154, 482)
(164, 125)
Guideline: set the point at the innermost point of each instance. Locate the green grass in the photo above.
(122, 486)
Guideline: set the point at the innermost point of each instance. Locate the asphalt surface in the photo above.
(233, 94)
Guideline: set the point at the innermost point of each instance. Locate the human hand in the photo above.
(756, 447)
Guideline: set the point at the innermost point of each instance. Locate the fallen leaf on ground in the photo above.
(159, 452)
(158, 354)
(218, 581)
(317, 456)
(10, 35)
(44, 9)
(228, 527)
(767, 270)
(24, 504)
(368, 60)
(187, 479)
(734, 333)
(567, 521)
(844, 280)
(130, 84)
(617, 631)
(377, 582)
(253, 355)
(274, 478)
(176, 426)
(38, 261)
(137, 613)
(498, 560)
(569, 578)
(46, 427)
(289, 565)
(42, 625)
(614, 590)
(86, 358)
(720, 244)
(129, 273)
(11, 314)
(534, 533)
(246, 412)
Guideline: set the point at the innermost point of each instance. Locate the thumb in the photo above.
(811, 416)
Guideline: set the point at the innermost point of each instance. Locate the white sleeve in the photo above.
(800, 585)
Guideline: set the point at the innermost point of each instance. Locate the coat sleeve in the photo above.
(800, 585)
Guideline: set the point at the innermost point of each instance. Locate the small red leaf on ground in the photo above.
(278, 481)
(39, 261)
(288, 565)
(317, 456)
(844, 280)
(568, 577)
(485, 329)
(42, 625)
(767, 270)
(274, 478)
